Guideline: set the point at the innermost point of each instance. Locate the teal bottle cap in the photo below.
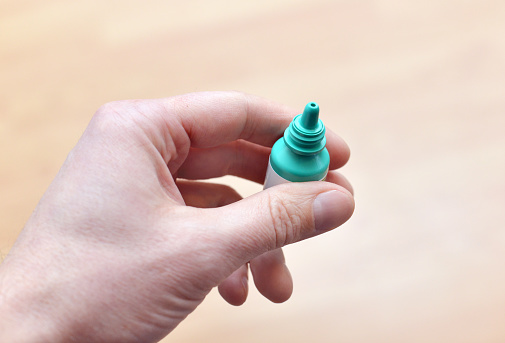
(305, 134)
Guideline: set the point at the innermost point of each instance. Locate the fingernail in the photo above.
(331, 209)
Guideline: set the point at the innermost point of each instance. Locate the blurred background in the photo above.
(416, 88)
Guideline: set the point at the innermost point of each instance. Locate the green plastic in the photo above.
(301, 154)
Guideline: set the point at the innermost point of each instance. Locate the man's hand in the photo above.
(125, 243)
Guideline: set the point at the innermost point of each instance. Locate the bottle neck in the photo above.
(302, 140)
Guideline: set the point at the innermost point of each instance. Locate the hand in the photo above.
(114, 253)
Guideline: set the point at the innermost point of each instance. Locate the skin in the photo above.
(125, 243)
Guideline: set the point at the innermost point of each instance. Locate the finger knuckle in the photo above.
(109, 115)
(285, 221)
(117, 116)
(113, 108)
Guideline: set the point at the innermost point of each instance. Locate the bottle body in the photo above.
(285, 165)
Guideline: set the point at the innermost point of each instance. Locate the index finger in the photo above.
(214, 118)
(211, 119)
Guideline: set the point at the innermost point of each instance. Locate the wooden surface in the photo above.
(417, 88)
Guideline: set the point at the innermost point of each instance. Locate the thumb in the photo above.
(283, 215)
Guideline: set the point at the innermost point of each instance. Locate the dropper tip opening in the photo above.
(310, 116)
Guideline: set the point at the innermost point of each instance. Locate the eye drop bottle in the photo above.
(300, 155)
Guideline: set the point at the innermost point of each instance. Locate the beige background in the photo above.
(417, 88)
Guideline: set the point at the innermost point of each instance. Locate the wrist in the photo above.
(25, 311)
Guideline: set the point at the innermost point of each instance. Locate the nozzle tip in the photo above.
(310, 116)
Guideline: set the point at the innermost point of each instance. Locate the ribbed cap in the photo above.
(305, 134)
